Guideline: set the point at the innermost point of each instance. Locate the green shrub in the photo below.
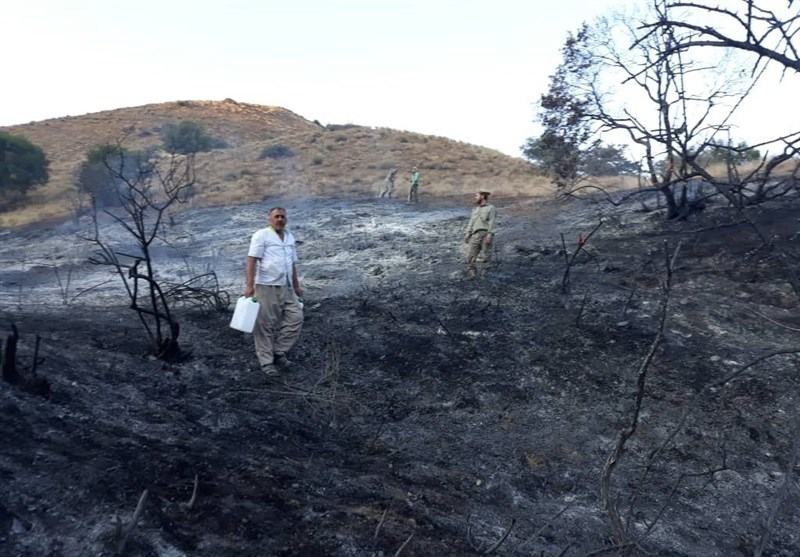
(336, 127)
(188, 137)
(316, 161)
(277, 151)
(103, 173)
(23, 165)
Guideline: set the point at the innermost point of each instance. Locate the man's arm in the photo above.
(250, 276)
(296, 281)
(492, 215)
(490, 227)
(468, 231)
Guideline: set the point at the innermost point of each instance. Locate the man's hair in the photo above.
(276, 209)
(484, 194)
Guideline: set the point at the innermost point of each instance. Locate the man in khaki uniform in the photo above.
(480, 232)
(389, 188)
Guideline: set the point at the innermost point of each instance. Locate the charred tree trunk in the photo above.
(34, 384)
(10, 374)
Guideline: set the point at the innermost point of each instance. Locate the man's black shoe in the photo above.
(282, 362)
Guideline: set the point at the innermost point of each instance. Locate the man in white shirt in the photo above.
(271, 275)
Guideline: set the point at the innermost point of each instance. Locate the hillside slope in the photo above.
(426, 414)
(326, 161)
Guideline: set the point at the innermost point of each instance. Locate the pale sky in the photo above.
(470, 70)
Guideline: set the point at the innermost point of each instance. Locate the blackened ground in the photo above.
(426, 414)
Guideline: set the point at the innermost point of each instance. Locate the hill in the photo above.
(325, 161)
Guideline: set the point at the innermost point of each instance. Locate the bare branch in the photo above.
(132, 524)
(502, 539)
(617, 527)
(405, 543)
(193, 499)
(571, 260)
(787, 327)
(784, 489)
(378, 527)
(782, 50)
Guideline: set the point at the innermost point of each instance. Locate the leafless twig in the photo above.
(378, 527)
(63, 287)
(617, 527)
(132, 524)
(502, 539)
(571, 260)
(794, 329)
(707, 387)
(405, 543)
(784, 489)
(628, 302)
(608, 550)
(550, 522)
(580, 311)
(35, 363)
(193, 500)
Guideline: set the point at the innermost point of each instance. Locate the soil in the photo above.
(425, 413)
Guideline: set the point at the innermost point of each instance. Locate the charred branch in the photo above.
(193, 499)
(33, 384)
(147, 193)
(380, 524)
(502, 539)
(784, 489)
(766, 34)
(618, 529)
(10, 374)
(201, 292)
(128, 530)
(570, 260)
(402, 547)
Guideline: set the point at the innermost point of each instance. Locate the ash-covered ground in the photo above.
(426, 414)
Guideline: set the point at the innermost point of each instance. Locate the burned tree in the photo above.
(562, 114)
(150, 186)
(765, 29)
(628, 80)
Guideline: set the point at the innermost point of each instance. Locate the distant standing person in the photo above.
(271, 274)
(413, 191)
(480, 233)
(389, 183)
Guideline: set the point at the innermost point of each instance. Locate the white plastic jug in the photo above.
(244, 315)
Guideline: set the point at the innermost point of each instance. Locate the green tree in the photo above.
(607, 160)
(186, 138)
(23, 165)
(557, 156)
(731, 154)
(562, 114)
(100, 174)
